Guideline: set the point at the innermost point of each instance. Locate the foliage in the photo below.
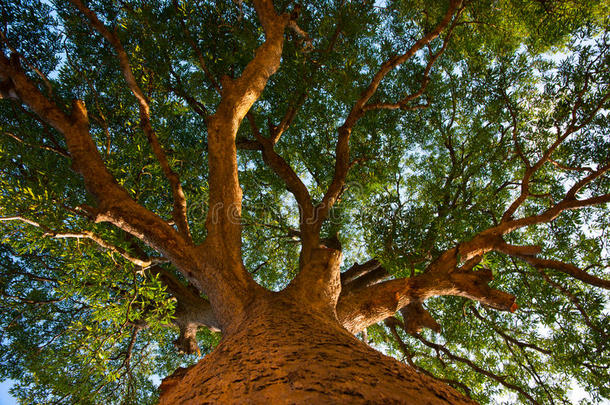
(81, 324)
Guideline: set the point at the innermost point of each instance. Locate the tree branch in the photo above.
(285, 172)
(424, 81)
(143, 263)
(392, 323)
(530, 170)
(471, 364)
(59, 151)
(179, 205)
(323, 271)
(342, 162)
(359, 309)
(507, 337)
(541, 263)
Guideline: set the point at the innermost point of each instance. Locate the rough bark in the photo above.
(284, 352)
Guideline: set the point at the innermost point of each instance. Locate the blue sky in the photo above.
(5, 397)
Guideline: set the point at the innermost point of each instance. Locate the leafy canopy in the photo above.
(82, 324)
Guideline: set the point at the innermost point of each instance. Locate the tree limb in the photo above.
(530, 170)
(541, 263)
(143, 263)
(179, 205)
(342, 162)
(116, 206)
(59, 151)
(285, 172)
(475, 367)
(359, 309)
(238, 95)
(424, 81)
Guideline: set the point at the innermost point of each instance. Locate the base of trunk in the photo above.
(283, 354)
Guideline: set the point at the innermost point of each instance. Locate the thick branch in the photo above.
(551, 213)
(368, 306)
(329, 276)
(179, 206)
(602, 169)
(570, 269)
(365, 307)
(318, 283)
(490, 239)
(309, 233)
(238, 95)
(117, 207)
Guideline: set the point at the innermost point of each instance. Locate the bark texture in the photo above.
(285, 353)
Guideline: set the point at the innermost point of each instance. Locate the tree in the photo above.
(294, 176)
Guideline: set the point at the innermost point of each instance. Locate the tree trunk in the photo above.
(284, 353)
